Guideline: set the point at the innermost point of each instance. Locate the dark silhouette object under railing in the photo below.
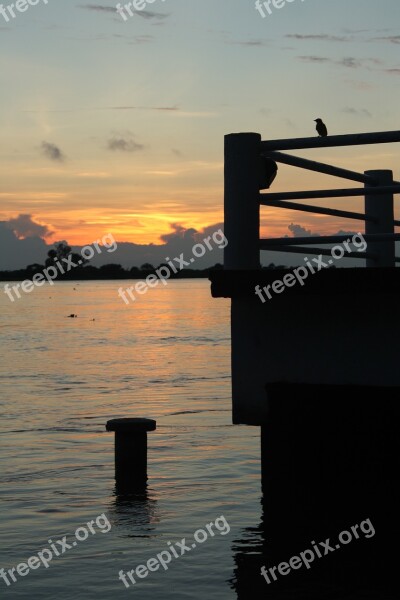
(130, 452)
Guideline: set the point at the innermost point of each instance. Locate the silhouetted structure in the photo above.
(316, 367)
(130, 452)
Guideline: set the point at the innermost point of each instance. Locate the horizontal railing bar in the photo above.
(312, 165)
(353, 139)
(317, 209)
(327, 239)
(322, 251)
(339, 193)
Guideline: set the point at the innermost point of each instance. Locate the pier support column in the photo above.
(381, 208)
(131, 451)
(330, 460)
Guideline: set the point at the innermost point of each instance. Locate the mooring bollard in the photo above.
(131, 450)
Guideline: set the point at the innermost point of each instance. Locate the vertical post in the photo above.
(381, 208)
(242, 205)
(131, 451)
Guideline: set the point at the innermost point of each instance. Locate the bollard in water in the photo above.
(131, 451)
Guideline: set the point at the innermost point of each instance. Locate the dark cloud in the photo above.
(149, 14)
(155, 108)
(124, 143)
(314, 59)
(179, 233)
(180, 240)
(361, 112)
(349, 62)
(91, 109)
(300, 231)
(52, 152)
(256, 43)
(99, 8)
(392, 39)
(145, 14)
(17, 253)
(319, 37)
(344, 232)
(24, 226)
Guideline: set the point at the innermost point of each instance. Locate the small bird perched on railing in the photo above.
(321, 128)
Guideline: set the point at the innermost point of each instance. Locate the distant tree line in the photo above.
(63, 255)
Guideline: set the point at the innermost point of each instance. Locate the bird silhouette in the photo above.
(321, 128)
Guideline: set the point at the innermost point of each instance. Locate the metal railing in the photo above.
(246, 161)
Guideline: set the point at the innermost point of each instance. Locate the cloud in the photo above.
(350, 62)
(392, 39)
(155, 108)
(319, 37)
(99, 8)
(24, 226)
(359, 85)
(361, 112)
(17, 253)
(145, 14)
(256, 43)
(52, 152)
(179, 233)
(300, 231)
(179, 240)
(314, 59)
(344, 232)
(124, 143)
(171, 109)
(150, 14)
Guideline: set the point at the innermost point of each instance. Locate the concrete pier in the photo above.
(315, 364)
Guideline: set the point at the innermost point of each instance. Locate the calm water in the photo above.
(165, 357)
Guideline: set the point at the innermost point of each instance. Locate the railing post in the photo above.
(381, 209)
(242, 204)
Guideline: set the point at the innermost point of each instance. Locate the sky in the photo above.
(117, 126)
